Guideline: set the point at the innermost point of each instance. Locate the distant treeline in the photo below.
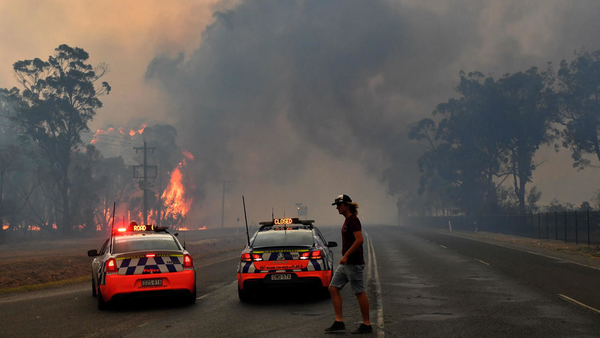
(481, 145)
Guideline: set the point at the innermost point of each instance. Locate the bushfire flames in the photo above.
(174, 199)
(132, 132)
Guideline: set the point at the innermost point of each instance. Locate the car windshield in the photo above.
(283, 238)
(143, 243)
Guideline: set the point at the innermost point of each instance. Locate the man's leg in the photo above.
(336, 298)
(363, 303)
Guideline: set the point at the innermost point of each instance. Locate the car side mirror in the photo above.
(332, 244)
(93, 253)
(176, 234)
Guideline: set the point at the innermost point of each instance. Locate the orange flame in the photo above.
(4, 227)
(132, 132)
(174, 195)
(175, 201)
(203, 228)
(101, 132)
(143, 127)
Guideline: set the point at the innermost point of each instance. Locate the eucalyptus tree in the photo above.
(528, 106)
(56, 101)
(471, 148)
(579, 93)
(488, 134)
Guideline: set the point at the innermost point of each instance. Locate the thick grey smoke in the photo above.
(275, 81)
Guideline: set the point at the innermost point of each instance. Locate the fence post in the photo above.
(531, 221)
(556, 224)
(539, 226)
(588, 224)
(565, 226)
(547, 235)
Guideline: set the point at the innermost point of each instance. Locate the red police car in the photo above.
(285, 252)
(142, 260)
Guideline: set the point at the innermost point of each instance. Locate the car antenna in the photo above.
(246, 218)
(112, 227)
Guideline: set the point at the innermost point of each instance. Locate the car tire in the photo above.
(244, 295)
(102, 305)
(94, 293)
(191, 298)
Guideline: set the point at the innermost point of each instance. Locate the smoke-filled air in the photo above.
(170, 112)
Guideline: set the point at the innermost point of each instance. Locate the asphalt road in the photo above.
(421, 284)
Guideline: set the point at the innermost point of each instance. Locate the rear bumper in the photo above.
(125, 285)
(261, 279)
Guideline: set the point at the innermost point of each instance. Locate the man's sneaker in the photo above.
(337, 326)
(363, 329)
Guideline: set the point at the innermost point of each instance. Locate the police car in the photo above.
(142, 260)
(285, 252)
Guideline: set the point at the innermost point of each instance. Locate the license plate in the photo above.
(151, 282)
(283, 276)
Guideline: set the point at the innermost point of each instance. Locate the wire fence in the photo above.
(578, 227)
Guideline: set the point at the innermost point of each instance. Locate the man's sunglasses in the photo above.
(338, 204)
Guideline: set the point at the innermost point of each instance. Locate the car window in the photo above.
(103, 250)
(142, 243)
(319, 239)
(283, 238)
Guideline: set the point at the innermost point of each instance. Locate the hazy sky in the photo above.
(297, 102)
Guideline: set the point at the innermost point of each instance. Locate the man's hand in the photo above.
(344, 260)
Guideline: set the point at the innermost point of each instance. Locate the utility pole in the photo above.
(223, 206)
(149, 171)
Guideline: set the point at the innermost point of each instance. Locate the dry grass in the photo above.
(589, 253)
(43, 264)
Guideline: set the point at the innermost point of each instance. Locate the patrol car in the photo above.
(142, 260)
(285, 252)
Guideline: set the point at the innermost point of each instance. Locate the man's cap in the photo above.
(342, 199)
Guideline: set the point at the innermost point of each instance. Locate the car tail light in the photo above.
(187, 261)
(317, 254)
(150, 255)
(246, 257)
(111, 265)
(257, 257)
(122, 229)
(305, 255)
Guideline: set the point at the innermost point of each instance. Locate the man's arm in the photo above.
(358, 241)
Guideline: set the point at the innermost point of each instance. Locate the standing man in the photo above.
(351, 267)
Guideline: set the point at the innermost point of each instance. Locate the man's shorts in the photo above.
(349, 273)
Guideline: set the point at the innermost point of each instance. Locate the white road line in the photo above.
(445, 247)
(486, 263)
(378, 301)
(579, 303)
(203, 296)
(527, 251)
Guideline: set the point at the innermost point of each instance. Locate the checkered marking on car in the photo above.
(149, 265)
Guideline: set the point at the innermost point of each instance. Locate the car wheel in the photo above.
(244, 295)
(94, 293)
(191, 298)
(102, 305)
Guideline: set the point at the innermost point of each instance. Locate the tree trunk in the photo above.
(66, 219)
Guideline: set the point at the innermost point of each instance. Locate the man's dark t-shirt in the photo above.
(351, 225)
